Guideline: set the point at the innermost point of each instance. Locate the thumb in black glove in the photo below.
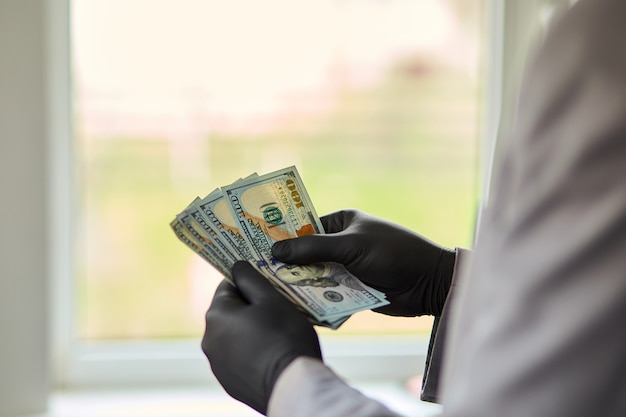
(252, 334)
(412, 271)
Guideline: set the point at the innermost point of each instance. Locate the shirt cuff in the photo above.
(434, 357)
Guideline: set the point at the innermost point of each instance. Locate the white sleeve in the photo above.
(308, 388)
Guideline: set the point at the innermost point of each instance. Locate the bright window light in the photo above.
(376, 102)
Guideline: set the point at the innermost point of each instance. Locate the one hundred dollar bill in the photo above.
(194, 243)
(242, 221)
(270, 208)
(276, 206)
(198, 221)
(217, 211)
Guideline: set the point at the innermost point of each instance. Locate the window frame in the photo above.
(76, 364)
(150, 362)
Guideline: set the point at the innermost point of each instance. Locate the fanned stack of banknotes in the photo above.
(242, 221)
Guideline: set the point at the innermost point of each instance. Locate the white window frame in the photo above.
(80, 364)
(513, 28)
(181, 362)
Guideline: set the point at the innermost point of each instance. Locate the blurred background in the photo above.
(115, 114)
(378, 104)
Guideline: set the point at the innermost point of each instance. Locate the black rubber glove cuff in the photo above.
(441, 282)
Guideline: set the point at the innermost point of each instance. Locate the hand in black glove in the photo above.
(412, 271)
(252, 334)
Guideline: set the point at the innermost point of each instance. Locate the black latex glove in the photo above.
(412, 271)
(252, 334)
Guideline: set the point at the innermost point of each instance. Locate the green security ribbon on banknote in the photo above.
(242, 220)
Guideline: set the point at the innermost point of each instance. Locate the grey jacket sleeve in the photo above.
(539, 329)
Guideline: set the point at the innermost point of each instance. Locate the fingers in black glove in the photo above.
(414, 272)
(332, 247)
(252, 334)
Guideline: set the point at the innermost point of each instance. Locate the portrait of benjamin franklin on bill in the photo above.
(317, 275)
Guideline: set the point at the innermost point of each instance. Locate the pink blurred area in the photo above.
(145, 68)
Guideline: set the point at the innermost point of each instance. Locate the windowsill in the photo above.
(201, 401)
(166, 379)
(167, 363)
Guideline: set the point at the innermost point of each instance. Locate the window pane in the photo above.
(375, 102)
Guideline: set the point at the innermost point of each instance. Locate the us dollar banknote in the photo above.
(242, 221)
(195, 244)
(276, 206)
(217, 212)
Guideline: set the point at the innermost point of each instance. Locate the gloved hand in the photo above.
(252, 334)
(412, 271)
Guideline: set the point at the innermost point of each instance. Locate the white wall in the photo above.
(23, 211)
